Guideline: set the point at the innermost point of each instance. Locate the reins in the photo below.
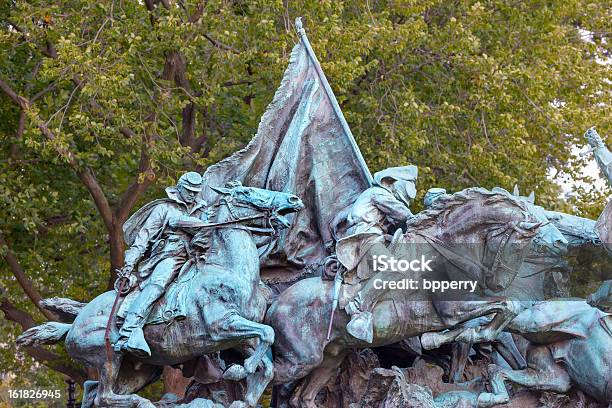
(444, 249)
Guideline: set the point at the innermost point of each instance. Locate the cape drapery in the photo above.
(300, 147)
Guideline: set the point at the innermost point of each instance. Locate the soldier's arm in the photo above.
(393, 208)
(603, 156)
(151, 228)
(186, 221)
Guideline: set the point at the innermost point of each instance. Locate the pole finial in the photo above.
(298, 26)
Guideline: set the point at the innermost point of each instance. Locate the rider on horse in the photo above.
(602, 298)
(378, 211)
(151, 235)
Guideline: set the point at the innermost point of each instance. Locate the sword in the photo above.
(336, 296)
(122, 286)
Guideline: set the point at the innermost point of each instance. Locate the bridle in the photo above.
(449, 253)
(235, 220)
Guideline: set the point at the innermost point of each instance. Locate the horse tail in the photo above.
(46, 333)
(65, 309)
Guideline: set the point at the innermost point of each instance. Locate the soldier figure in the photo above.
(432, 195)
(161, 250)
(601, 153)
(378, 211)
(602, 298)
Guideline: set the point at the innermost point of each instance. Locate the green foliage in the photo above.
(473, 92)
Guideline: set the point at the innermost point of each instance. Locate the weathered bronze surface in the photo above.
(262, 273)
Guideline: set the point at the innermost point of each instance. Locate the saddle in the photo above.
(171, 306)
(350, 289)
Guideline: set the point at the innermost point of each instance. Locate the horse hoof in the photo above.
(235, 372)
(430, 341)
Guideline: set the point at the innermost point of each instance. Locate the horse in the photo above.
(498, 229)
(224, 309)
(534, 281)
(570, 342)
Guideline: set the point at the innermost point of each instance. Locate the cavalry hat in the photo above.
(432, 194)
(407, 173)
(191, 181)
(386, 177)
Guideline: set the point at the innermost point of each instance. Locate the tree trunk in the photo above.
(117, 251)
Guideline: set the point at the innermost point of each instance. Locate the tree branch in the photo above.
(87, 177)
(130, 196)
(26, 284)
(188, 122)
(220, 45)
(24, 319)
(20, 101)
(46, 357)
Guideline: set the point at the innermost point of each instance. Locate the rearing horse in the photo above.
(491, 230)
(223, 309)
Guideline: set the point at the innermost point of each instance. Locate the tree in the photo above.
(104, 103)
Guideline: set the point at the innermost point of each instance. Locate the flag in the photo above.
(301, 148)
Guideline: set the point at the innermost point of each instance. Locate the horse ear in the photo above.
(531, 197)
(221, 190)
(516, 191)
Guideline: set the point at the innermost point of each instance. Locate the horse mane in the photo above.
(445, 204)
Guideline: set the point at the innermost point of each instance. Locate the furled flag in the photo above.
(302, 146)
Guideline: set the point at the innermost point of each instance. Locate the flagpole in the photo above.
(332, 99)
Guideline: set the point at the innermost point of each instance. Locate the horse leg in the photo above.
(90, 390)
(257, 382)
(106, 396)
(457, 312)
(134, 376)
(459, 356)
(307, 392)
(507, 348)
(499, 394)
(233, 327)
(544, 374)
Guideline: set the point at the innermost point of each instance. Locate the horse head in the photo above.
(549, 241)
(255, 206)
(488, 232)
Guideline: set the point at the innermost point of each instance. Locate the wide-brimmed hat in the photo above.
(386, 177)
(191, 181)
(408, 173)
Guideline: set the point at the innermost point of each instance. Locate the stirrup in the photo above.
(120, 344)
(351, 308)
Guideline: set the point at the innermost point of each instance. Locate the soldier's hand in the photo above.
(593, 138)
(133, 281)
(123, 284)
(125, 271)
(208, 214)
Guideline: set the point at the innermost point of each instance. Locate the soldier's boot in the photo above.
(360, 308)
(361, 325)
(131, 336)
